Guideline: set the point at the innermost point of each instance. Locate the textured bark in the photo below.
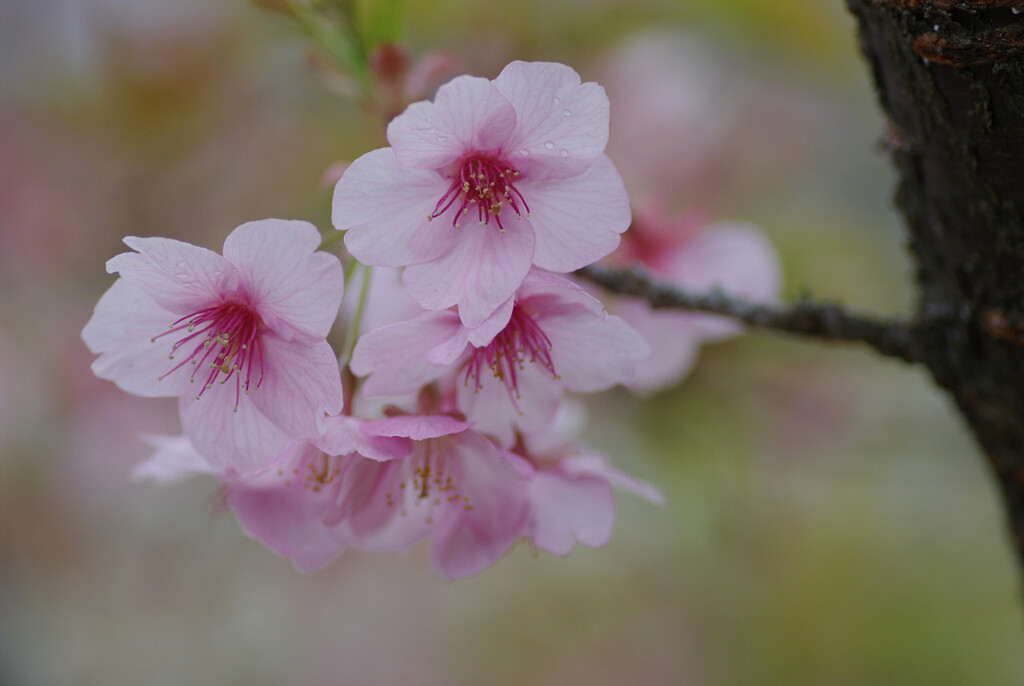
(950, 77)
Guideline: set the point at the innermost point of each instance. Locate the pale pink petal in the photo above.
(490, 520)
(121, 330)
(561, 123)
(395, 356)
(387, 302)
(674, 337)
(597, 465)
(568, 508)
(417, 427)
(174, 460)
(373, 521)
(592, 354)
(492, 326)
(292, 285)
(345, 435)
(302, 383)
(479, 274)
(733, 256)
(553, 294)
(577, 220)
(287, 518)
(384, 206)
(468, 114)
(241, 442)
(179, 277)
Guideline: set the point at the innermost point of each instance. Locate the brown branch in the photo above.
(828, 321)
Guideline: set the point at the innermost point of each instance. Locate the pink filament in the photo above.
(224, 340)
(521, 341)
(484, 181)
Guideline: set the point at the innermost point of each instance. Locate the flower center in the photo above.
(486, 182)
(521, 341)
(429, 482)
(219, 341)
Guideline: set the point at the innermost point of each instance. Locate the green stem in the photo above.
(330, 239)
(352, 335)
(341, 46)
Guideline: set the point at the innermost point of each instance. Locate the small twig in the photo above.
(823, 320)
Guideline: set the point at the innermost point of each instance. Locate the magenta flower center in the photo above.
(521, 341)
(220, 342)
(485, 182)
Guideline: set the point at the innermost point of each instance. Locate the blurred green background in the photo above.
(828, 519)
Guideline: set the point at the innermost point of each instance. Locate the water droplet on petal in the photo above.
(556, 100)
(549, 146)
(442, 139)
(182, 264)
(523, 153)
(563, 153)
(182, 277)
(566, 113)
(218, 272)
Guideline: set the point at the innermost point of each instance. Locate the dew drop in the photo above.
(549, 146)
(523, 153)
(181, 264)
(442, 139)
(566, 113)
(182, 277)
(556, 100)
(563, 153)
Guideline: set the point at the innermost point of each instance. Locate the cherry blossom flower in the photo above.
(491, 177)
(512, 370)
(454, 487)
(733, 256)
(240, 339)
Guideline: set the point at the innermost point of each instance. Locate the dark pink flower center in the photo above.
(220, 342)
(486, 182)
(521, 341)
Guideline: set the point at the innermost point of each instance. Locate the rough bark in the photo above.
(950, 77)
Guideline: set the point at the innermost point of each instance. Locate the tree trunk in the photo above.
(950, 77)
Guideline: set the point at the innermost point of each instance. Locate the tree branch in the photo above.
(829, 321)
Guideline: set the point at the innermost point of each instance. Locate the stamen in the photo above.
(521, 341)
(484, 181)
(225, 340)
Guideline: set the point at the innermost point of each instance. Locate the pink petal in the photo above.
(562, 124)
(489, 523)
(345, 435)
(179, 277)
(468, 114)
(287, 519)
(302, 383)
(592, 354)
(174, 460)
(552, 293)
(417, 427)
(363, 509)
(566, 508)
(577, 220)
(121, 330)
(384, 208)
(292, 286)
(481, 272)
(395, 356)
(674, 337)
(242, 442)
(493, 325)
(597, 465)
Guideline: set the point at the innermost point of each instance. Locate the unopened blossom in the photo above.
(735, 257)
(485, 181)
(512, 370)
(569, 493)
(239, 338)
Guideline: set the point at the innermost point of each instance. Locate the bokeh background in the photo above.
(828, 520)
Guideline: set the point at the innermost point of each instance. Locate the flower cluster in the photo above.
(447, 425)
